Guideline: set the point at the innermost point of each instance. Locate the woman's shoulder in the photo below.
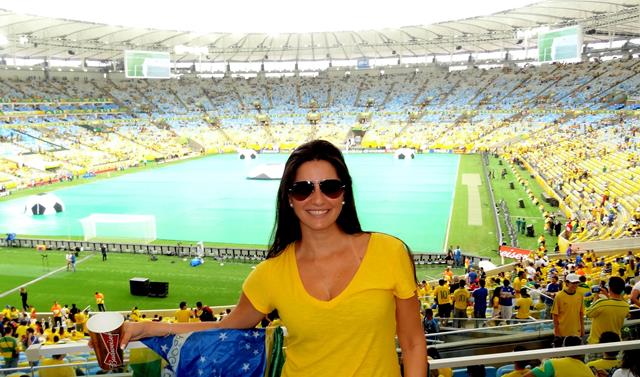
(279, 259)
(386, 239)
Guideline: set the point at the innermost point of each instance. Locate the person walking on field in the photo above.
(23, 298)
(100, 301)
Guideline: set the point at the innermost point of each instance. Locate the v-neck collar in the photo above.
(339, 296)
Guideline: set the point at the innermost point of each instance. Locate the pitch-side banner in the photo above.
(513, 252)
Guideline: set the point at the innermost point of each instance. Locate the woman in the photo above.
(342, 293)
(630, 366)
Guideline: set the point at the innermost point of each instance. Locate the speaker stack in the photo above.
(144, 287)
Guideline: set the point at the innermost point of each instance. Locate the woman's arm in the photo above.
(411, 337)
(243, 316)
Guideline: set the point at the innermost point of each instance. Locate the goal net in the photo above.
(119, 227)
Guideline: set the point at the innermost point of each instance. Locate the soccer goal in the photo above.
(119, 227)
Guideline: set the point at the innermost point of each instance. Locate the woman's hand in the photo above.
(137, 330)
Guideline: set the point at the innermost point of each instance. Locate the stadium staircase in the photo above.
(358, 95)
(134, 141)
(57, 147)
(482, 89)
(236, 92)
(508, 94)
(207, 94)
(58, 88)
(269, 95)
(387, 97)
(635, 67)
(453, 89)
(148, 101)
(175, 94)
(574, 91)
(419, 94)
(107, 94)
(298, 95)
(10, 86)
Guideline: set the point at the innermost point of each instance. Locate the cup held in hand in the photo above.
(105, 331)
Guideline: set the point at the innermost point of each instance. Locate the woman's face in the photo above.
(318, 211)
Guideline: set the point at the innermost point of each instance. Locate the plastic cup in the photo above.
(105, 329)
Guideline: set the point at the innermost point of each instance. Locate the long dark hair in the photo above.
(630, 361)
(286, 228)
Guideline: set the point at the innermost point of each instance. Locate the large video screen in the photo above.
(147, 64)
(560, 45)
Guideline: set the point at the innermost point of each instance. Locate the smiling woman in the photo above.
(322, 269)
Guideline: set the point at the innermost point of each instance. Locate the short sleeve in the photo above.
(257, 288)
(545, 370)
(403, 271)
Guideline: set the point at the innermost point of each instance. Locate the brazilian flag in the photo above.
(215, 352)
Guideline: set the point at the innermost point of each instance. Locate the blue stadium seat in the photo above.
(504, 370)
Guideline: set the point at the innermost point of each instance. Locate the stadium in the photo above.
(140, 159)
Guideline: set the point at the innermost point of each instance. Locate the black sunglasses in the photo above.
(301, 190)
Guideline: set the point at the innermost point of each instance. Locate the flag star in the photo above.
(256, 334)
(245, 367)
(164, 348)
(200, 372)
(203, 359)
(223, 336)
(256, 352)
(247, 346)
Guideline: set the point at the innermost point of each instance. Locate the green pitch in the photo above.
(212, 283)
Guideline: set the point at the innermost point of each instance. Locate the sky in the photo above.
(271, 16)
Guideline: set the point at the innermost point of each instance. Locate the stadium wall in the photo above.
(239, 254)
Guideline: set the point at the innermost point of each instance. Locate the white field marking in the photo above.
(3, 294)
(453, 197)
(473, 181)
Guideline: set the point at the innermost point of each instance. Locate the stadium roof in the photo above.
(31, 36)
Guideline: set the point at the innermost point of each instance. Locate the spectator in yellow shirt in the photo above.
(461, 301)
(61, 371)
(523, 305)
(135, 314)
(183, 314)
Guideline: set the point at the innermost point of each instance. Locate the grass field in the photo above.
(478, 240)
(220, 285)
(530, 213)
(211, 282)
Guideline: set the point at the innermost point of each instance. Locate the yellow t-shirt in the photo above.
(442, 294)
(21, 331)
(460, 298)
(569, 309)
(183, 315)
(605, 364)
(607, 315)
(364, 342)
(62, 371)
(517, 373)
(564, 366)
(517, 285)
(524, 307)
(80, 318)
